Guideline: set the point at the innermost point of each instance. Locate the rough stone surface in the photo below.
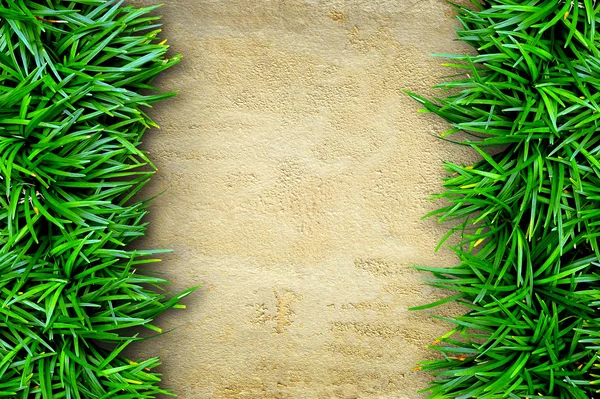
(295, 174)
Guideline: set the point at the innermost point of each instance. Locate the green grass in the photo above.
(75, 78)
(527, 220)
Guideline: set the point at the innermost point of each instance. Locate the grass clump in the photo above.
(75, 76)
(527, 218)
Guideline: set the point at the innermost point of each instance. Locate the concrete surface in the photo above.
(296, 172)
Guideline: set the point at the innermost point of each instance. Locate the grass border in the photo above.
(527, 220)
(75, 79)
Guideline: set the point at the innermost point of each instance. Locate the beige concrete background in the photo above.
(296, 172)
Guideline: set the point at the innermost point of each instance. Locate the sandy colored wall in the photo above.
(296, 173)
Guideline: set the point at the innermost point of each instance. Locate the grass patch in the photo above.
(75, 76)
(528, 217)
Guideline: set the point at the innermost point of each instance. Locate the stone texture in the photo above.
(295, 173)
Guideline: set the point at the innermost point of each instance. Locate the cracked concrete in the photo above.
(296, 173)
